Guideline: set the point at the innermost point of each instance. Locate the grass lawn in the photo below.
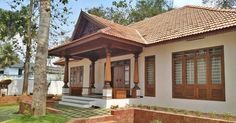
(8, 112)
(49, 118)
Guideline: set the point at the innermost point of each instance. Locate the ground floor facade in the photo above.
(164, 82)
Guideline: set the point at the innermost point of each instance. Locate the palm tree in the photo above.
(7, 55)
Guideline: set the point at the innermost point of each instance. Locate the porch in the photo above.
(96, 47)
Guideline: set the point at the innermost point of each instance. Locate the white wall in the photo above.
(11, 71)
(15, 88)
(163, 57)
(99, 70)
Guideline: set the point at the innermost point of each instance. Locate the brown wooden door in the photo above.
(119, 77)
(76, 81)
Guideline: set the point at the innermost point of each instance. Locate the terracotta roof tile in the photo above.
(185, 21)
(118, 30)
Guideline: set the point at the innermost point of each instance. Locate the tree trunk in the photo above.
(40, 76)
(28, 50)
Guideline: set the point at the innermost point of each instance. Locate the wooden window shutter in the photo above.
(202, 74)
(150, 76)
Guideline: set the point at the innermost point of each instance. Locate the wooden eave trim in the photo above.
(91, 37)
(75, 42)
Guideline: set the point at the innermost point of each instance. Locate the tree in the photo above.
(24, 22)
(40, 77)
(7, 55)
(226, 4)
(28, 51)
(148, 8)
(123, 11)
(19, 23)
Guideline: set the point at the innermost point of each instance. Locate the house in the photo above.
(13, 70)
(16, 74)
(184, 58)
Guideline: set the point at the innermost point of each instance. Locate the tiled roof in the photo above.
(185, 21)
(118, 30)
(178, 23)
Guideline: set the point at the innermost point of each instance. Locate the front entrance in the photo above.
(76, 80)
(121, 79)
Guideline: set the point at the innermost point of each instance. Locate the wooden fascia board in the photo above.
(75, 43)
(92, 37)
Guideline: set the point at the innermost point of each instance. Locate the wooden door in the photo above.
(76, 80)
(119, 77)
(119, 90)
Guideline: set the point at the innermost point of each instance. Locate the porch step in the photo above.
(77, 101)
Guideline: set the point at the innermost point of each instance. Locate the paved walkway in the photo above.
(74, 112)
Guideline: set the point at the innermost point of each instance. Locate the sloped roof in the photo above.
(177, 23)
(118, 30)
(185, 21)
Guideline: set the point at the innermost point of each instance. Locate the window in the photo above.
(198, 74)
(76, 75)
(150, 76)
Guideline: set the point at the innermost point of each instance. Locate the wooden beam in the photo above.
(126, 47)
(85, 49)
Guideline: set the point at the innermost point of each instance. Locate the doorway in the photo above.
(121, 79)
(76, 80)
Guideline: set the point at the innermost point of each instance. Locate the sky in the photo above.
(78, 5)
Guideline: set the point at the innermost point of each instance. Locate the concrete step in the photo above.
(90, 102)
(77, 98)
(74, 104)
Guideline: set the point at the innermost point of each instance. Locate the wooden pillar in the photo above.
(92, 76)
(65, 88)
(107, 83)
(136, 72)
(107, 90)
(136, 88)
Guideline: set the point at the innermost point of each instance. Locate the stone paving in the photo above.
(74, 112)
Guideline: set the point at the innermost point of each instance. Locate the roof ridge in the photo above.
(210, 8)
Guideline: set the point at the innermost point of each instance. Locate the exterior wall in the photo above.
(163, 55)
(86, 63)
(11, 71)
(15, 88)
(99, 71)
